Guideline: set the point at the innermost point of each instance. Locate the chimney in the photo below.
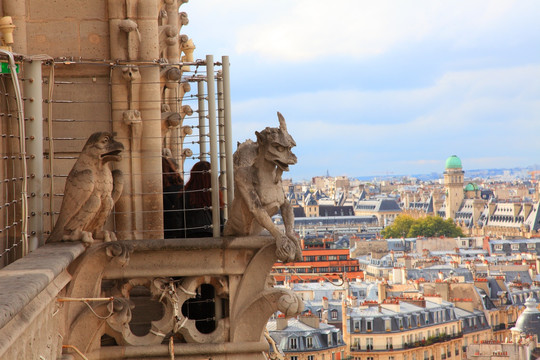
(403, 275)
(382, 291)
(478, 207)
(390, 304)
(516, 208)
(310, 320)
(465, 304)
(325, 303)
(491, 207)
(281, 322)
(433, 298)
(344, 317)
(526, 210)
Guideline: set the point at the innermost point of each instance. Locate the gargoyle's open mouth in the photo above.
(114, 155)
(283, 166)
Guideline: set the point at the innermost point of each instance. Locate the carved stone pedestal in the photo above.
(206, 297)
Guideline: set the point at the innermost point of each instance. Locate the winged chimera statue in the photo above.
(90, 192)
(259, 195)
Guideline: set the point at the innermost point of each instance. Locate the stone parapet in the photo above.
(143, 298)
(29, 320)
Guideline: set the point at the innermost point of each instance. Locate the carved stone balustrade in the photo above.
(152, 298)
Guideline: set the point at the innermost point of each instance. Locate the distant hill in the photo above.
(517, 172)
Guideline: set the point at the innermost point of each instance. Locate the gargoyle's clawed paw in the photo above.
(105, 235)
(286, 249)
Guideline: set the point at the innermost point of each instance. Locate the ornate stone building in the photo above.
(453, 182)
(123, 67)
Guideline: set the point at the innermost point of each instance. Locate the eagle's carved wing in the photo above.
(79, 188)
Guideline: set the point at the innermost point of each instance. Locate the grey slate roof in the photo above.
(301, 332)
(432, 273)
(377, 205)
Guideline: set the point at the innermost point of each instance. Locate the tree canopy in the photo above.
(430, 226)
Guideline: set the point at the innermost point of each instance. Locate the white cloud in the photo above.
(468, 108)
(484, 113)
(306, 30)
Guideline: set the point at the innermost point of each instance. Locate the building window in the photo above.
(531, 246)
(311, 357)
(369, 343)
(309, 342)
(387, 324)
(293, 344)
(334, 314)
(356, 326)
(389, 345)
(369, 325)
(498, 247)
(329, 339)
(294, 357)
(514, 246)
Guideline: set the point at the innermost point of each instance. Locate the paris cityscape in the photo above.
(285, 180)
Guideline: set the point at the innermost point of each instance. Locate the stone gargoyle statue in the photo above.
(259, 195)
(90, 193)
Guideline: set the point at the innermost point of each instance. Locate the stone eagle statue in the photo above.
(259, 195)
(90, 192)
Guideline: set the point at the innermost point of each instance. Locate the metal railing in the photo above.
(44, 126)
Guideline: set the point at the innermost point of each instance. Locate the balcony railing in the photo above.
(430, 341)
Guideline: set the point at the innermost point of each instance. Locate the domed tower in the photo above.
(528, 323)
(453, 182)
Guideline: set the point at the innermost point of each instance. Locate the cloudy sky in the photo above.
(382, 87)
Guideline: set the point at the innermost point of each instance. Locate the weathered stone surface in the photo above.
(64, 9)
(29, 287)
(26, 278)
(42, 38)
(91, 191)
(95, 40)
(259, 193)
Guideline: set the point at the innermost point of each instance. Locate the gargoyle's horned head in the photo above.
(277, 144)
(103, 146)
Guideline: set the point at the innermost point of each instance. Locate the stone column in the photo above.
(150, 108)
(119, 105)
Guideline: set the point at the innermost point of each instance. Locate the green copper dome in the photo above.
(471, 187)
(453, 162)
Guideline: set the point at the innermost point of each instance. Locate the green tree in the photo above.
(399, 228)
(430, 226)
